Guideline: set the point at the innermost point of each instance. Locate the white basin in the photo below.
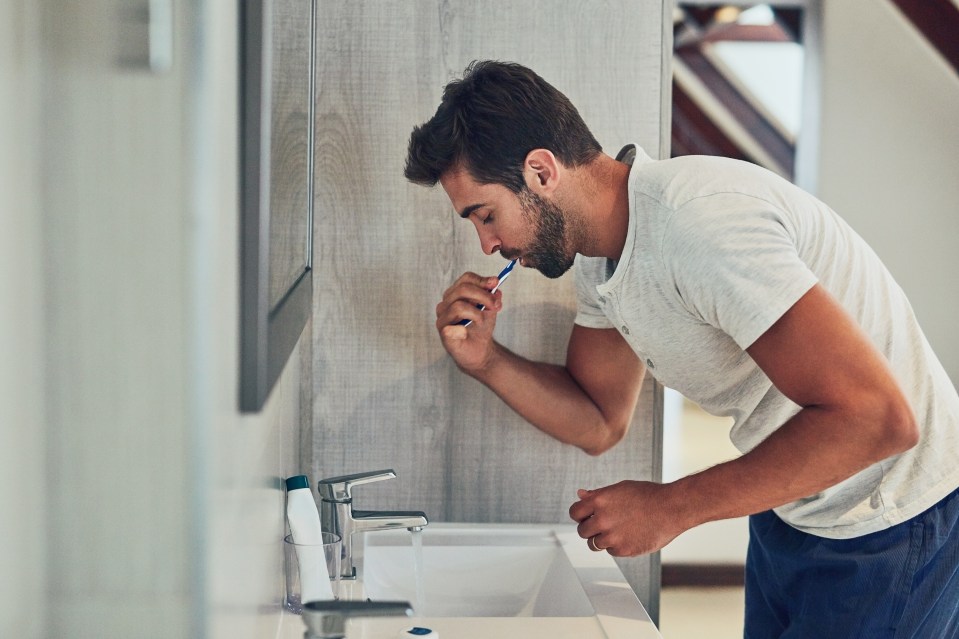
(459, 572)
(510, 581)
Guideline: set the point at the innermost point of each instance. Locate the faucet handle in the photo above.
(338, 488)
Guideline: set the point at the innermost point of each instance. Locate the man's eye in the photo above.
(487, 219)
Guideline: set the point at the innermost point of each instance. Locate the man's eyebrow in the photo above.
(465, 213)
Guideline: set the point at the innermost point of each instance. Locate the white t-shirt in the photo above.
(717, 250)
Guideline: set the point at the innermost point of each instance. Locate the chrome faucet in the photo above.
(337, 514)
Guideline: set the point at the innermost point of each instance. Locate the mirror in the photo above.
(277, 48)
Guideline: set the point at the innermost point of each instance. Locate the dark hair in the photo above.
(490, 120)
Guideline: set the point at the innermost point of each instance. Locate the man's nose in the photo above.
(489, 242)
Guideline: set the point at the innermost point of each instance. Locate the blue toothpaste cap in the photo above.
(297, 482)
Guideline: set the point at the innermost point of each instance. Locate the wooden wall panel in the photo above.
(386, 394)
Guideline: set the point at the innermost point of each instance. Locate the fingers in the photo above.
(462, 299)
(472, 288)
(586, 511)
(583, 509)
(452, 331)
(460, 309)
(589, 528)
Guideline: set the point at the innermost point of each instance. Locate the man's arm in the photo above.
(853, 415)
(588, 403)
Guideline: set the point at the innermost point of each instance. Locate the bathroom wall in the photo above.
(22, 439)
(887, 157)
(136, 500)
(105, 271)
(385, 393)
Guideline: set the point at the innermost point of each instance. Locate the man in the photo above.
(750, 297)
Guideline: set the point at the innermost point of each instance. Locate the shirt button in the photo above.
(625, 330)
(649, 363)
(602, 300)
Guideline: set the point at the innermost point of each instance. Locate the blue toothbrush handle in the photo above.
(501, 277)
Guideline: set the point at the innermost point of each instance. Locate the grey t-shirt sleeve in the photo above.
(590, 273)
(735, 264)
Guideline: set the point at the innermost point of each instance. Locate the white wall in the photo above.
(136, 500)
(22, 438)
(888, 155)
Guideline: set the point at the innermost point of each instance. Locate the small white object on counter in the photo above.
(307, 534)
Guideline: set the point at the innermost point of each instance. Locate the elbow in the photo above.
(899, 430)
(907, 429)
(606, 436)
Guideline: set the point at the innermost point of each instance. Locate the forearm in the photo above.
(550, 398)
(816, 449)
(588, 403)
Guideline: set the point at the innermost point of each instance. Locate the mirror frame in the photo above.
(268, 334)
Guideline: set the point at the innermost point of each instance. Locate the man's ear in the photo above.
(542, 171)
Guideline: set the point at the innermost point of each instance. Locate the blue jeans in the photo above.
(898, 583)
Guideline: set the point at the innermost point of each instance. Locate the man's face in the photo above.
(525, 227)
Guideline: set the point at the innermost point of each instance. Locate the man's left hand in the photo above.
(626, 519)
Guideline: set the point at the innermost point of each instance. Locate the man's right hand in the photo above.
(470, 346)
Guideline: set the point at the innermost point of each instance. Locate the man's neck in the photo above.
(603, 206)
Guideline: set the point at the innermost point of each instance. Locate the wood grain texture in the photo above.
(385, 393)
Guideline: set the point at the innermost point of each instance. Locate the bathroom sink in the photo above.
(472, 581)
(460, 572)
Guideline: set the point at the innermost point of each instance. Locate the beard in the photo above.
(549, 252)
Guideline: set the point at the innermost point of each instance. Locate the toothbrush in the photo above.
(501, 278)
